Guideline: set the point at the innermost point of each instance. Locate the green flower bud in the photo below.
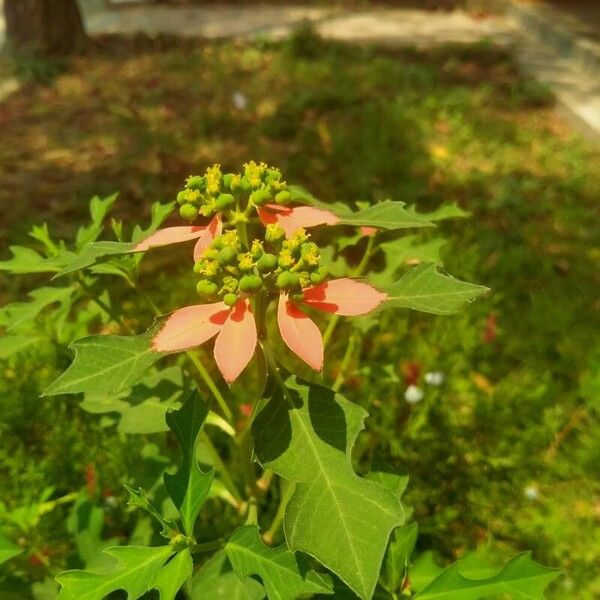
(245, 262)
(182, 197)
(207, 288)
(250, 283)
(294, 280)
(319, 276)
(227, 255)
(235, 183)
(267, 262)
(230, 284)
(195, 182)
(260, 197)
(188, 212)
(207, 210)
(230, 299)
(274, 174)
(274, 233)
(224, 201)
(256, 249)
(283, 197)
(227, 179)
(283, 280)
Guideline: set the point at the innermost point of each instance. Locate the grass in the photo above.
(503, 453)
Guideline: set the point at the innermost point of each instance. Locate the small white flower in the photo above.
(434, 378)
(239, 100)
(413, 394)
(531, 492)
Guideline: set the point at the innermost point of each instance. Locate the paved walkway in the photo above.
(575, 85)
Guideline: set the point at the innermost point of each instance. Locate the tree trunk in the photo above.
(44, 27)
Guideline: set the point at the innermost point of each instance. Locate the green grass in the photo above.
(518, 409)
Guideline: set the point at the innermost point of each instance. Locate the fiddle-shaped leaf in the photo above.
(520, 578)
(135, 573)
(286, 575)
(189, 487)
(26, 260)
(425, 289)
(106, 364)
(386, 215)
(99, 208)
(306, 435)
(93, 252)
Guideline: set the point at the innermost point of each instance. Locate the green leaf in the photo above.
(286, 575)
(341, 519)
(446, 211)
(143, 407)
(386, 215)
(412, 249)
(8, 550)
(135, 573)
(521, 578)
(106, 364)
(25, 260)
(99, 208)
(13, 344)
(189, 487)
(395, 566)
(93, 252)
(173, 575)
(217, 581)
(424, 288)
(16, 314)
(423, 571)
(158, 214)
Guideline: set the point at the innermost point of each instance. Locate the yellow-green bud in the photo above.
(207, 288)
(230, 299)
(245, 262)
(250, 283)
(294, 280)
(230, 284)
(224, 201)
(260, 197)
(256, 249)
(310, 254)
(319, 276)
(227, 255)
(274, 174)
(286, 260)
(283, 197)
(206, 210)
(283, 280)
(274, 233)
(188, 212)
(181, 197)
(195, 182)
(267, 262)
(227, 179)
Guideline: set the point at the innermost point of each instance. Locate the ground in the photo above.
(503, 454)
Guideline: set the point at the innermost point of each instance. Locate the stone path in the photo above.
(542, 48)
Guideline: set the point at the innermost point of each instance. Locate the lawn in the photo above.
(502, 454)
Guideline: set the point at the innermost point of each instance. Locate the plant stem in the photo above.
(207, 546)
(345, 361)
(287, 490)
(211, 385)
(220, 467)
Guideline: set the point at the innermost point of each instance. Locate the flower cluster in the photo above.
(236, 269)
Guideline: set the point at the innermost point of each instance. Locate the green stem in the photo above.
(220, 467)
(345, 361)
(211, 385)
(360, 269)
(287, 490)
(206, 546)
(252, 518)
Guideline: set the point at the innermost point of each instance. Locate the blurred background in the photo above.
(492, 105)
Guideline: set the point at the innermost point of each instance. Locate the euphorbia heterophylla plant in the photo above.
(257, 280)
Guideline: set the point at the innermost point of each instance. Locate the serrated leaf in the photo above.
(425, 289)
(25, 260)
(135, 573)
(285, 575)
(16, 314)
(386, 215)
(521, 578)
(8, 550)
(189, 487)
(158, 214)
(217, 581)
(173, 575)
(106, 364)
(143, 407)
(341, 519)
(99, 208)
(92, 252)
